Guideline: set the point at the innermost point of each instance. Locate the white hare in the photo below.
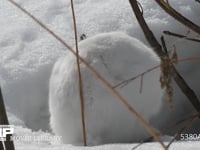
(117, 57)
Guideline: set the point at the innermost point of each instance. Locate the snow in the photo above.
(28, 54)
(21, 130)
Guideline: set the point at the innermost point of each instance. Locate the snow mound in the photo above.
(27, 57)
(47, 141)
(117, 57)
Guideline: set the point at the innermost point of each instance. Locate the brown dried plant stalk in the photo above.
(96, 73)
(81, 93)
(127, 81)
(167, 73)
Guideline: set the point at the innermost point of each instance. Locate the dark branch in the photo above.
(172, 12)
(9, 145)
(197, 1)
(181, 36)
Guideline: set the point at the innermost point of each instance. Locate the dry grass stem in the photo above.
(141, 83)
(167, 73)
(125, 82)
(81, 93)
(180, 60)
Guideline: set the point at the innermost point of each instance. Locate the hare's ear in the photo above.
(82, 37)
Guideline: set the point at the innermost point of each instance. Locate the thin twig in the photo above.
(181, 36)
(189, 59)
(141, 83)
(125, 82)
(189, 93)
(81, 93)
(172, 12)
(103, 80)
(149, 139)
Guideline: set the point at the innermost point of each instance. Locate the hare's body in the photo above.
(116, 57)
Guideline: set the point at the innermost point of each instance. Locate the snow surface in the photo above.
(28, 54)
(21, 130)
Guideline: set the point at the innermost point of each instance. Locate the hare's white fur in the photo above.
(117, 57)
